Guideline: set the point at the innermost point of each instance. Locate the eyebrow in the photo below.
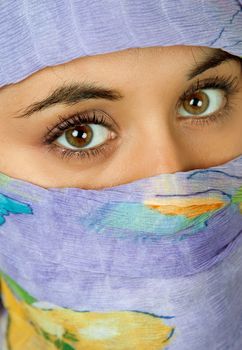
(211, 61)
(71, 94)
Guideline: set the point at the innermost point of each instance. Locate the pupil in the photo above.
(196, 102)
(79, 136)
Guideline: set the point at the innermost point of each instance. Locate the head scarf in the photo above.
(153, 264)
(35, 34)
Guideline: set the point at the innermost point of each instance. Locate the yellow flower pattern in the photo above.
(60, 328)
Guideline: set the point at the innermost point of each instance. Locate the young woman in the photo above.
(121, 175)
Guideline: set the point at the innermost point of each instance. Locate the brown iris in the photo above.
(196, 103)
(79, 136)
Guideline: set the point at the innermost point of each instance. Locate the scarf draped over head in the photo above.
(35, 34)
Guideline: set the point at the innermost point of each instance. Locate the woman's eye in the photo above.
(84, 136)
(202, 102)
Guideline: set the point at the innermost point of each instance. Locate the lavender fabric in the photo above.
(157, 261)
(35, 34)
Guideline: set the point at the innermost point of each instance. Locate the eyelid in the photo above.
(100, 152)
(88, 116)
(216, 97)
(87, 154)
(229, 84)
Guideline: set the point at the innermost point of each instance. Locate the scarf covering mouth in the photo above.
(36, 34)
(152, 264)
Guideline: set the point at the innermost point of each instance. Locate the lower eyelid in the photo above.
(102, 152)
(214, 119)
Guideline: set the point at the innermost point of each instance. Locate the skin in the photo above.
(150, 139)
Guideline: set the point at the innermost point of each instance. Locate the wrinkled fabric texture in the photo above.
(152, 264)
(35, 34)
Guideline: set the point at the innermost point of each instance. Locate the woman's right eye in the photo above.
(84, 136)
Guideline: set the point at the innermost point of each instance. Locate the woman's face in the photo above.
(169, 112)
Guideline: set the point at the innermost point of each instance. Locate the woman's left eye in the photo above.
(202, 103)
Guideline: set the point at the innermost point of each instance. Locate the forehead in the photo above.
(101, 66)
(134, 56)
(123, 71)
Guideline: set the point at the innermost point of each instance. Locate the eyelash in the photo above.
(86, 117)
(227, 84)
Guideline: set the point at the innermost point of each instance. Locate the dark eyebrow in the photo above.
(70, 94)
(218, 57)
(73, 93)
